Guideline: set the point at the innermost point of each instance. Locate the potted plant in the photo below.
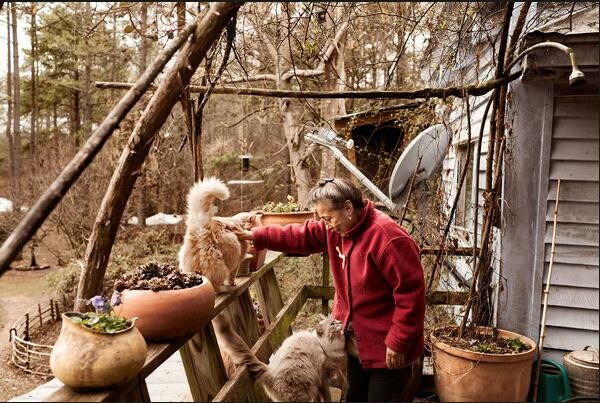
(97, 349)
(483, 365)
(272, 213)
(284, 213)
(169, 304)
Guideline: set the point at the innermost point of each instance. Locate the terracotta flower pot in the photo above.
(268, 218)
(85, 359)
(169, 314)
(244, 267)
(467, 376)
(258, 258)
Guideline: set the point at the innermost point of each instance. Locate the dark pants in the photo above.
(381, 385)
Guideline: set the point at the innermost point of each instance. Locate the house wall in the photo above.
(555, 136)
(552, 133)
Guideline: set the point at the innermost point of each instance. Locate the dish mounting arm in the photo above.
(315, 138)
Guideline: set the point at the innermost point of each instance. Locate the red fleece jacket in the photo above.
(379, 286)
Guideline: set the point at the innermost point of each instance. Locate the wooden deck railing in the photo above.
(201, 355)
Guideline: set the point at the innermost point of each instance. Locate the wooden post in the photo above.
(203, 365)
(242, 318)
(139, 393)
(40, 314)
(269, 296)
(52, 310)
(27, 327)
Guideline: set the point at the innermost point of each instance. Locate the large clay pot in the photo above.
(300, 217)
(466, 376)
(85, 359)
(169, 314)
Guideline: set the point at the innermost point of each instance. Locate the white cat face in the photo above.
(329, 327)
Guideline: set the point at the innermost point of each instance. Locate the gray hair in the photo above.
(337, 191)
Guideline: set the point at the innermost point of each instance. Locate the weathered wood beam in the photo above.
(432, 250)
(138, 146)
(433, 298)
(447, 298)
(459, 92)
(36, 216)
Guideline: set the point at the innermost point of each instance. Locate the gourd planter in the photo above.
(86, 359)
(466, 376)
(169, 314)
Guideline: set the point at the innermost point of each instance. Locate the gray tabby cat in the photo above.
(301, 369)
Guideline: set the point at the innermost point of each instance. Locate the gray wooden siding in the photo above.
(572, 315)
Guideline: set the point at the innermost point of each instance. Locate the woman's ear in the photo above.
(348, 206)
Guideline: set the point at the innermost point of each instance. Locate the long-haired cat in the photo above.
(208, 246)
(301, 369)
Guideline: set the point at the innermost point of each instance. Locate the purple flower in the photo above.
(115, 299)
(99, 303)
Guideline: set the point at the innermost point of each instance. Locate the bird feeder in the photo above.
(245, 162)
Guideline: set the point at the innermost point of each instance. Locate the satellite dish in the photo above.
(430, 147)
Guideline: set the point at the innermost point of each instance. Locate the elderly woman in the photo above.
(379, 286)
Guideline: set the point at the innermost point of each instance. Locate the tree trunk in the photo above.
(87, 75)
(138, 146)
(16, 107)
(292, 112)
(55, 119)
(9, 95)
(141, 188)
(192, 112)
(335, 74)
(34, 95)
(75, 113)
(113, 55)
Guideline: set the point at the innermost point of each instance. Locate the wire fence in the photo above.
(30, 356)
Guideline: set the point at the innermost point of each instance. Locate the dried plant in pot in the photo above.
(96, 350)
(169, 304)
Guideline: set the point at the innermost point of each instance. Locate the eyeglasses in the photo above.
(323, 182)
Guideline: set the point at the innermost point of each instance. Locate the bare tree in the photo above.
(34, 91)
(16, 107)
(87, 70)
(274, 46)
(138, 146)
(141, 187)
(9, 94)
(335, 74)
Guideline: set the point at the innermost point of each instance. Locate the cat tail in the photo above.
(240, 352)
(200, 201)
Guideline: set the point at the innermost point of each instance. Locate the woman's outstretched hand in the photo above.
(243, 235)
